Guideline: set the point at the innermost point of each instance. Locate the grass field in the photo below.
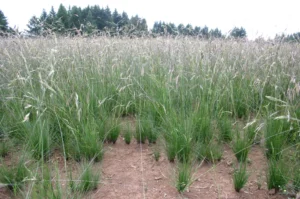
(68, 96)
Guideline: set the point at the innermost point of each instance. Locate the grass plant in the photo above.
(241, 147)
(67, 95)
(127, 136)
(277, 175)
(87, 181)
(275, 138)
(240, 177)
(184, 177)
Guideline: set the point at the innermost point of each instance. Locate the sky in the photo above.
(259, 17)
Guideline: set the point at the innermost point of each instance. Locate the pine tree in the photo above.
(107, 17)
(216, 33)
(74, 17)
(204, 32)
(197, 30)
(3, 22)
(180, 29)
(62, 15)
(43, 16)
(90, 18)
(238, 32)
(117, 18)
(34, 26)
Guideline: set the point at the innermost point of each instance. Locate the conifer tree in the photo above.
(3, 22)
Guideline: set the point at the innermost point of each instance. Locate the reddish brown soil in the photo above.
(130, 172)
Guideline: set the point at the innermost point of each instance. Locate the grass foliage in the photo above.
(184, 177)
(277, 176)
(68, 95)
(241, 147)
(240, 177)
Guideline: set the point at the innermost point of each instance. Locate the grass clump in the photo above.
(113, 134)
(87, 181)
(210, 152)
(179, 142)
(274, 138)
(91, 148)
(142, 129)
(296, 180)
(184, 148)
(240, 177)
(277, 177)
(171, 147)
(225, 129)
(40, 140)
(156, 155)
(86, 144)
(202, 125)
(184, 177)
(251, 134)
(4, 148)
(46, 187)
(127, 136)
(241, 148)
(14, 177)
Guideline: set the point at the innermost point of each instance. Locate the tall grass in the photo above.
(67, 94)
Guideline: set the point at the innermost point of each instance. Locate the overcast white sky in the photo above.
(258, 17)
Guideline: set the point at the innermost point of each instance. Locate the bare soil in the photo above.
(130, 171)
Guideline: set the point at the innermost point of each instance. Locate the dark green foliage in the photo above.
(3, 22)
(225, 128)
(296, 180)
(40, 140)
(275, 138)
(251, 133)
(178, 136)
(240, 177)
(62, 15)
(277, 176)
(87, 181)
(210, 152)
(34, 25)
(242, 102)
(113, 134)
(241, 148)
(144, 127)
(4, 146)
(156, 155)
(238, 32)
(184, 148)
(13, 177)
(202, 131)
(171, 147)
(184, 178)
(90, 147)
(127, 136)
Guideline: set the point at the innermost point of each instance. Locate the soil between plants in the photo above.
(131, 172)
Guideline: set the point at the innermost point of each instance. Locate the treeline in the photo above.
(295, 37)
(94, 20)
(4, 28)
(162, 28)
(89, 20)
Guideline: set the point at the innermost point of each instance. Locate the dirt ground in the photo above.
(131, 172)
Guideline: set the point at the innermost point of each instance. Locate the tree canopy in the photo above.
(89, 20)
(238, 32)
(3, 22)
